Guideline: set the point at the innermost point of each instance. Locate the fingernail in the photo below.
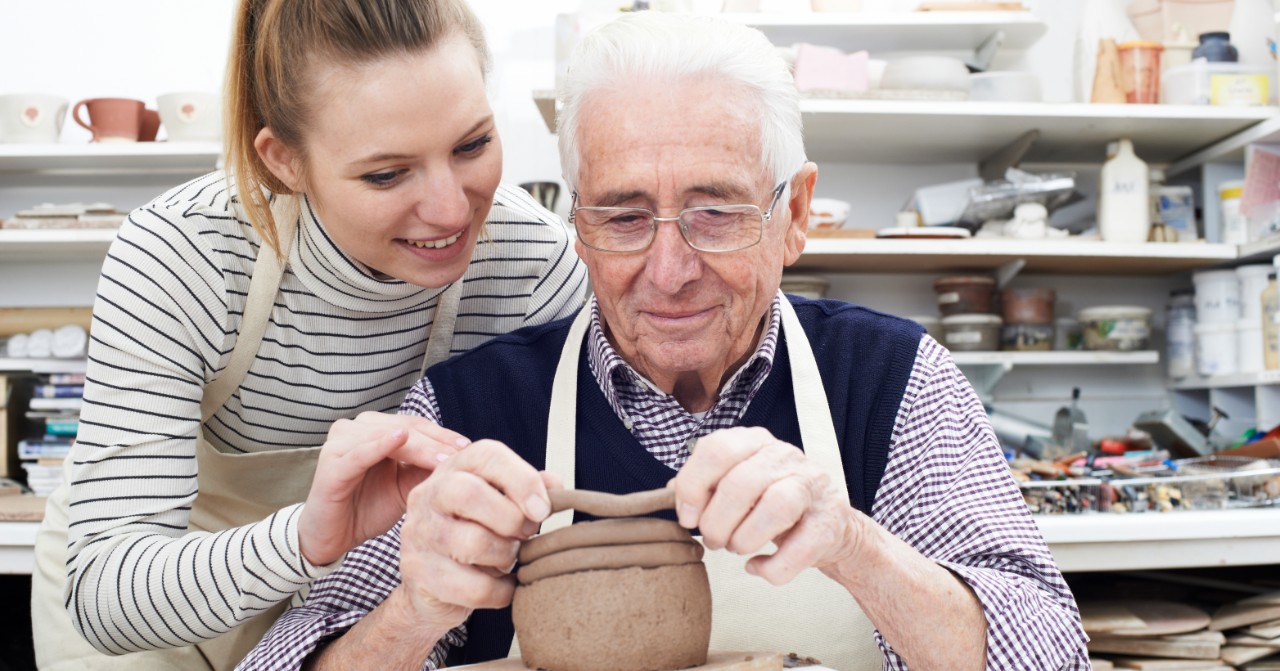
(536, 508)
(442, 456)
(751, 569)
(688, 515)
(461, 442)
(530, 528)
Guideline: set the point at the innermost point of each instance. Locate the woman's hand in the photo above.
(367, 467)
(463, 528)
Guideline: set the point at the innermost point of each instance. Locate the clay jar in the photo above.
(964, 294)
(1027, 306)
(627, 594)
(112, 119)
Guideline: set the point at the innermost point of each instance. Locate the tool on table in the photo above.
(1070, 430)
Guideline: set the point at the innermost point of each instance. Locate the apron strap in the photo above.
(562, 424)
(268, 269)
(441, 340)
(813, 411)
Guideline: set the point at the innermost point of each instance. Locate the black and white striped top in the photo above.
(340, 341)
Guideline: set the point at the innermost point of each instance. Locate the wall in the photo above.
(143, 48)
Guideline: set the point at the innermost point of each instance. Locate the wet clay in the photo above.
(626, 594)
(639, 555)
(622, 531)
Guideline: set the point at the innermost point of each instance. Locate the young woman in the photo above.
(255, 327)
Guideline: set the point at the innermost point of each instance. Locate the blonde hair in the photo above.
(274, 44)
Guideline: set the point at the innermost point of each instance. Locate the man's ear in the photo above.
(801, 195)
(279, 158)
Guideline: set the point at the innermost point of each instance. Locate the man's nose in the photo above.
(671, 263)
(442, 200)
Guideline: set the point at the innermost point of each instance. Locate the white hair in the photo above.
(653, 46)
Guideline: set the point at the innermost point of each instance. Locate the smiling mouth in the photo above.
(436, 244)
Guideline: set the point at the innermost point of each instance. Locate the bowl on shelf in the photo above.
(1005, 87)
(926, 73)
(828, 213)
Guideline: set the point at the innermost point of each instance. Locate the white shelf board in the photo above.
(1263, 378)
(17, 547)
(65, 244)
(1055, 358)
(1260, 250)
(1078, 257)
(1230, 148)
(41, 366)
(896, 31)
(928, 132)
(191, 157)
(1126, 542)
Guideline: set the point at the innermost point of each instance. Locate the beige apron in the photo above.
(235, 490)
(811, 615)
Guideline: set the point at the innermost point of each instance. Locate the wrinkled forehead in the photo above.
(652, 139)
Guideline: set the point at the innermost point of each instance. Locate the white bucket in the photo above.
(1217, 296)
(1216, 348)
(1249, 346)
(1253, 280)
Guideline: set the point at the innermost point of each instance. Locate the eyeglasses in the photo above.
(712, 228)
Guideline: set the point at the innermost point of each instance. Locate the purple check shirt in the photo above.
(946, 491)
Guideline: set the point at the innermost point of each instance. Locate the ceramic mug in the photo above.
(191, 116)
(113, 119)
(31, 117)
(148, 125)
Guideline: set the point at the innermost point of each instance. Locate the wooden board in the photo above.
(845, 233)
(1238, 655)
(1268, 629)
(1153, 647)
(22, 508)
(716, 661)
(1169, 664)
(1157, 618)
(26, 320)
(1236, 615)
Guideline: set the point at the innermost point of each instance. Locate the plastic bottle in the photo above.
(1271, 325)
(1253, 29)
(1180, 333)
(1124, 209)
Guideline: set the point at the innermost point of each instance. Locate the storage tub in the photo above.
(1225, 84)
(1217, 296)
(1027, 306)
(1067, 335)
(1253, 280)
(1249, 346)
(1116, 327)
(805, 286)
(965, 294)
(932, 325)
(971, 332)
(1026, 337)
(1216, 348)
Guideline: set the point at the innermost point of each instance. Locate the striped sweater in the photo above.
(340, 341)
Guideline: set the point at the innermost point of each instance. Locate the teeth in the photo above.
(436, 244)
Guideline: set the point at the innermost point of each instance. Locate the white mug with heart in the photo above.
(191, 116)
(31, 117)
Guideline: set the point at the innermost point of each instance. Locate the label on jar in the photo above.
(949, 297)
(1124, 329)
(964, 337)
(1238, 89)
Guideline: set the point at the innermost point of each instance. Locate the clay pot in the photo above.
(627, 594)
(965, 294)
(1028, 306)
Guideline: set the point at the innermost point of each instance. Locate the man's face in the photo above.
(672, 311)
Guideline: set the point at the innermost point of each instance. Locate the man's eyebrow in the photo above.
(723, 191)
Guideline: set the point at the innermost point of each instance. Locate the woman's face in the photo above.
(403, 159)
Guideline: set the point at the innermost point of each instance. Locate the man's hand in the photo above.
(743, 488)
(367, 467)
(463, 528)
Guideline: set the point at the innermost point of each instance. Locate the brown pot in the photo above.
(1028, 306)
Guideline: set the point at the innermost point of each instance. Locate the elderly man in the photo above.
(846, 437)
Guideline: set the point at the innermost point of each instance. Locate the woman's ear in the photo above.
(279, 158)
(798, 206)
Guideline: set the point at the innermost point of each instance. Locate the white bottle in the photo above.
(1124, 209)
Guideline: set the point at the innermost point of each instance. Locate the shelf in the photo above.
(1074, 257)
(1260, 250)
(1264, 378)
(1230, 148)
(1055, 358)
(1126, 542)
(897, 31)
(133, 157)
(43, 366)
(62, 244)
(17, 543)
(931, 132)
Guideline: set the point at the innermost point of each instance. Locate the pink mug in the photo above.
(114, 119)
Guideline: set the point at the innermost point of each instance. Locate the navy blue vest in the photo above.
(502, 390)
